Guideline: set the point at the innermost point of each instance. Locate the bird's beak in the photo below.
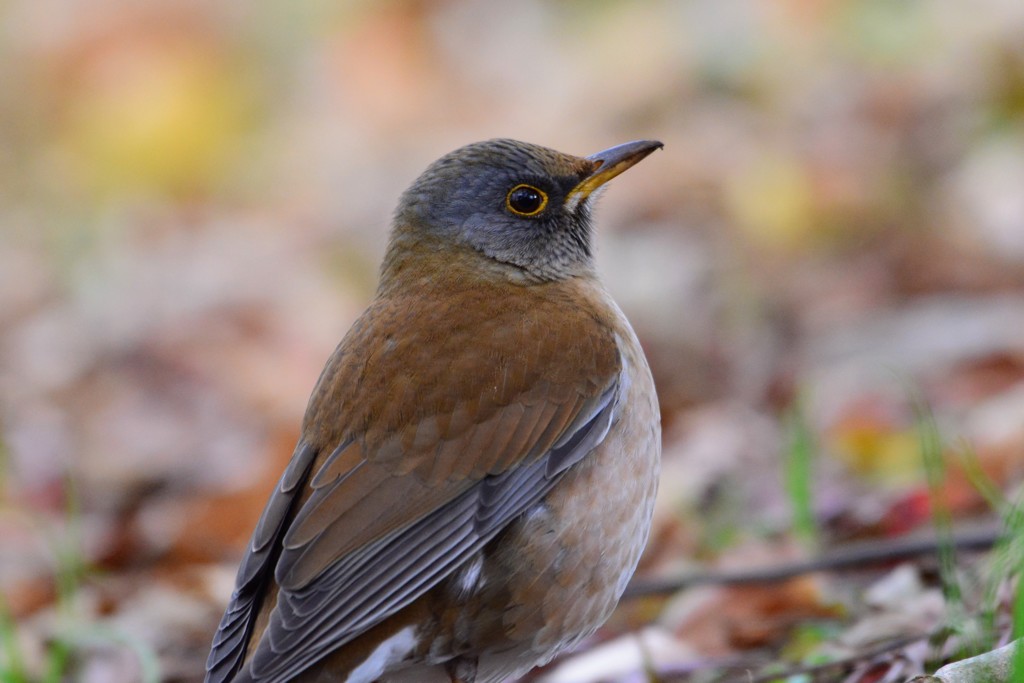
(609, 163)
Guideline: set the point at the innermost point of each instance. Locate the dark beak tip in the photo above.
(611, 162)
(646, 147)
(635, 150)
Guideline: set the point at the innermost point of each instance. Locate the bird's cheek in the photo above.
(481, 230)
(474, 223)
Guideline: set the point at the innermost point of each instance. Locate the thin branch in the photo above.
(854, 555)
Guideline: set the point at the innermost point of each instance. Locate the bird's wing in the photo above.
(429, 465)
(256, 569)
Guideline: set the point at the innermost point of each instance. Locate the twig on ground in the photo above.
(850, 556)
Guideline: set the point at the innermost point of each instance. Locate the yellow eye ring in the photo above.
(526, 200)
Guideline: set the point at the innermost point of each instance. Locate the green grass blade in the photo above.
(799, 475)
(12, 669)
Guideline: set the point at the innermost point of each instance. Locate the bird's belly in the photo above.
(556, 574)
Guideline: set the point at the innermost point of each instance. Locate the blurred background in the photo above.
(195, 196)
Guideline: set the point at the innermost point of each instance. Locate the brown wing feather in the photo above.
(438, 451)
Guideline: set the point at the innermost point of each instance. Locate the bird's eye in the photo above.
(525, 200)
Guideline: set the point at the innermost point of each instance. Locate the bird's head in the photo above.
(520, 205)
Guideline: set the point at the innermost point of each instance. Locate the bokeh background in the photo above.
(194, 198)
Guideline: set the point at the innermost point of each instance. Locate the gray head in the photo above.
(519, 204)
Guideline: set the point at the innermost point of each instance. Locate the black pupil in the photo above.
(525, 200)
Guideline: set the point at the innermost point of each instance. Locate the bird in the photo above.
(476, 470)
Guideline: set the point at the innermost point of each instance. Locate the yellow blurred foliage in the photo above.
(163, 118)
(878, 451)
(772, 201)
